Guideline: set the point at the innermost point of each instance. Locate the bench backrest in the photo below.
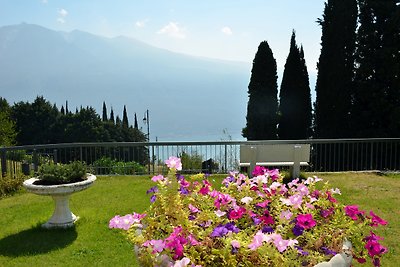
(274, 153)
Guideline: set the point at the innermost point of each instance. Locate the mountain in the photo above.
(189, 98)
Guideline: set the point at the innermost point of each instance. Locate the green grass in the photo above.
(91, 243)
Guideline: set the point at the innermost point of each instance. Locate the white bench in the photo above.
(275, 155)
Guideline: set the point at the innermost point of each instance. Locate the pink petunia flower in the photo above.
(158, 178)
(193, 209)
(286, 215)
(174, 163)
(258, 240)
(182, 262)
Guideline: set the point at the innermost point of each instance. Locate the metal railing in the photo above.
(212, 157)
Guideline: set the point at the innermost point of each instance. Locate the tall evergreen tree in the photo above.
(112, 116)
(136, 126)
(376, 99)
(295, 98)
(335, 69)
(125, 122)
(66, 107)
(118, 121)
(104, 117)
(263, 92)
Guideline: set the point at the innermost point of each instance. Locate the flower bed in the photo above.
(257, 221)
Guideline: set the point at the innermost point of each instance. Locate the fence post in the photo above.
(55, 159)
(226, 158)
(35, 160)
(3, 163)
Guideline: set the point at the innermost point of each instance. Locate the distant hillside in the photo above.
(189, 98)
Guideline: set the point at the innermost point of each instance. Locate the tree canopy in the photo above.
(263, 90)
(295, 98)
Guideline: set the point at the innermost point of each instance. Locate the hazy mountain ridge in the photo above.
(188, 97)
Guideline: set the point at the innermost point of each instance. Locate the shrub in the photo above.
(10, 185)
(62, 173)
(106, 165)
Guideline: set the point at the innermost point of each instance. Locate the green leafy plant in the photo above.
(52, 174)
(106, 165)
(9, 185)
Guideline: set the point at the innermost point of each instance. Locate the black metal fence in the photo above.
(212, 157)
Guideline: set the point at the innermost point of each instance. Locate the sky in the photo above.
(222, 29)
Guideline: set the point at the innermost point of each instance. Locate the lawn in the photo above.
(91, 243)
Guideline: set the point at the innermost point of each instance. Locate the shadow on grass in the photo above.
(36, 241)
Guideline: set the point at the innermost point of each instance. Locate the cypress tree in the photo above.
(263, 90)
(125, 122)
(136, 126)
(118, 121)
(66, 107)
(104, 117)
(335, 69)
(62, 110)
(376, 111)
(295, 99)
(112, 116)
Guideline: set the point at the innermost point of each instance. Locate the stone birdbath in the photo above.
(62, 216)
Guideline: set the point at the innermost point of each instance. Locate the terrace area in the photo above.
(366, 171)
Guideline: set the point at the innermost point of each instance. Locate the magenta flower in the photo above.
(376, 221)
(327, 212)
(353, 212)
(174, 163)
(258, 170)
(237, 213)
(306, 221)
(374, 248)
(175, 242)
(330, 198)
(274, 174)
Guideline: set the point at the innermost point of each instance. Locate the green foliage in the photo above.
(7, 125)
(376, 111)
(42, 123)
(295, 98)
(106, 165)
(263, 93)
(335, 69)
(62, 173)
(9, 185)
(191, 161)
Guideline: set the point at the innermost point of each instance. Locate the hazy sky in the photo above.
(225, 29)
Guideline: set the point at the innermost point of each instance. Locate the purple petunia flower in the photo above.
(154, 189)
(153, 198)
(267, 229)
(328, 251)
(301, 251)
(231, 227)
(297, 230)
(222, 230)
(219, 231)
(183, 191)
